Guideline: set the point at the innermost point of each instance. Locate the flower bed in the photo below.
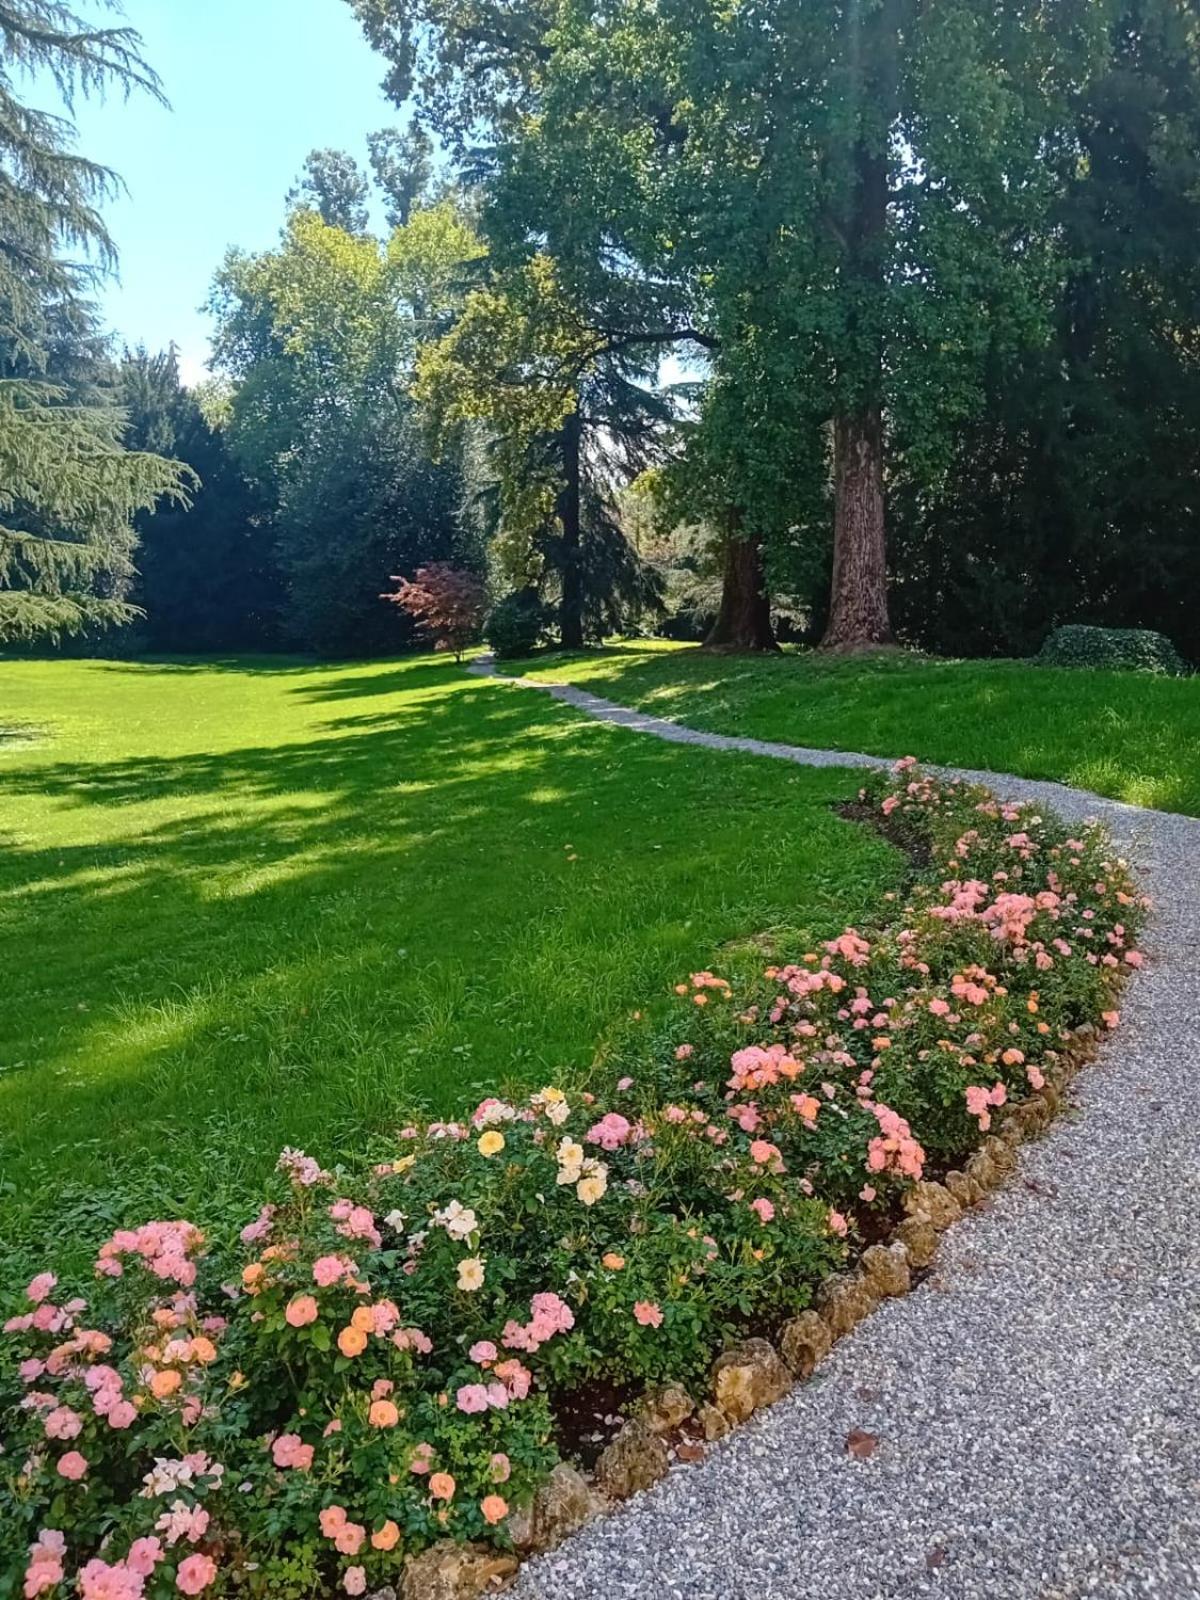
(386, 1364)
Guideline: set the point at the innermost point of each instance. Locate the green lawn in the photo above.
(250, 903)
(1128, 735)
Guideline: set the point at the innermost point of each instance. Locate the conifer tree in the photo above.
(68, 488)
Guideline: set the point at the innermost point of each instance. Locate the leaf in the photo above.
(861, 1444)
(320, 1337)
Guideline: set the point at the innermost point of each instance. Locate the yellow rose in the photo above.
(591, 1189)
(490, 1143)
(470, 1274)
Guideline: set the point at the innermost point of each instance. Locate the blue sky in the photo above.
(254, 86)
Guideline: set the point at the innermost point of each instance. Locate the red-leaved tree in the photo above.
(446, 603)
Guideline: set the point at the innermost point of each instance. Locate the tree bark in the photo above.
(744, 620)
(570, 612)
(858, 609)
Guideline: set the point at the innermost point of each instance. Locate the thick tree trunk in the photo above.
(570, 613)
(858, 609)
(744, 620)
(858, 606)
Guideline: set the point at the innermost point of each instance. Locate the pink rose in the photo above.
(472, 1398)
(144, 1555)
(349, 1538)
(63, 1423)
(301, 1311)
(195, 1574)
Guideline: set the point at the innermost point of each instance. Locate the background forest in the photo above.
(722, 322)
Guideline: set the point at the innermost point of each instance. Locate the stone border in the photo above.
(753, 1374)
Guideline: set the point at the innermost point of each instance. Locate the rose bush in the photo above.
(380, 1366)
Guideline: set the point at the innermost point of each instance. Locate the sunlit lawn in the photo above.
(244, 904)
(1127, 735)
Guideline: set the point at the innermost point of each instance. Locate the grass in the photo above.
(1128, 735)
(244, 904)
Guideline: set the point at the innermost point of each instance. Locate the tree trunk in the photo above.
(744, 620)
(858, 608)
(570, 613)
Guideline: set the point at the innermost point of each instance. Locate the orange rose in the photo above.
(383, 1414)
(442, 1486)
(164, 1383)
(363, 1319)
(494, 1509)
(387, 1538)
(352, 1341)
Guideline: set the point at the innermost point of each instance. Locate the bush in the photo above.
(378, 1361)
(1118, 649)
(518, 624)
(446, 603)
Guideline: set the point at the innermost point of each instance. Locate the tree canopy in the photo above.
(69, 489)
(863, 211)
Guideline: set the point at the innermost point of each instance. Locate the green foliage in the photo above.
(975, 221)
(321, 337)
(208, 577)
(518, 623)
(402, 166)
(50, 193)
(1081, 468)
(69, 493)
(1120, 649)
(334, 186)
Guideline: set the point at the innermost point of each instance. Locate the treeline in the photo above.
(733, 322)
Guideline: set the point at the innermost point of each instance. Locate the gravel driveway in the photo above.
(1037, 1400)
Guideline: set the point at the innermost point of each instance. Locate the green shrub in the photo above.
(1118, 649)
(517, 624)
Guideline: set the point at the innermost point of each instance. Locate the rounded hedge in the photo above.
(1118, 649)
(517, 624)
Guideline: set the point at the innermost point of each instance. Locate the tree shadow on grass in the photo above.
(297, 941)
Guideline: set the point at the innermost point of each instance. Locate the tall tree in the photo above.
(1082, 471)
(334, 186)
(570, 417)
(851, 201)
(320, 337)
(208, 577)
(402, 166)
(69, 490)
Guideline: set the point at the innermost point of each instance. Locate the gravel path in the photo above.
(1037, 1400)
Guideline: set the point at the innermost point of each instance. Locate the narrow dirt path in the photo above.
(1036, 1400)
